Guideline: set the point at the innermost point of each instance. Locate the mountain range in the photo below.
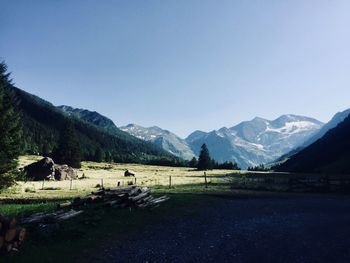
(249, 143)
(302, 141)
(305, 144)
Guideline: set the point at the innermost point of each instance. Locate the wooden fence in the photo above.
(292, 182)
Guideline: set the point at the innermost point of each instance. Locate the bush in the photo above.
(29, 190)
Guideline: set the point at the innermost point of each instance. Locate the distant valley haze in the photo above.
(182, 65)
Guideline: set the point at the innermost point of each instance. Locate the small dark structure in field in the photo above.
(127, 173)
(47, 169)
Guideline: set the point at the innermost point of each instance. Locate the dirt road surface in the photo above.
(292, 228)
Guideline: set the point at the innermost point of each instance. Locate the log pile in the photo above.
(131, 196)
(11, 235)
(43, 219)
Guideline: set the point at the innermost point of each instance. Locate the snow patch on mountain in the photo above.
(257, 141)
(293, 127)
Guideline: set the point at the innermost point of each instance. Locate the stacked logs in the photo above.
(131, 196)
(11, 235)
(43, 219)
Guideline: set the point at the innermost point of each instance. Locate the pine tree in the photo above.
(68, 150)
(204, 160)
(10, 131)
(98, 156)
(193, 163)
(108, 157)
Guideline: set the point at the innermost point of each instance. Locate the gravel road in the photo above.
(293, 228)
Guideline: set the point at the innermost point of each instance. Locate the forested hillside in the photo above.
(42, 124)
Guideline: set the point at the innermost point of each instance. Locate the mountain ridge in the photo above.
(258, 141)
(329, 154)
(92, 117)
(249, 143)
(336, 119)
(162, 138)
(42, 123)
(334, 122)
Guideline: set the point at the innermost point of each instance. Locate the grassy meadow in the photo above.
(93, 175)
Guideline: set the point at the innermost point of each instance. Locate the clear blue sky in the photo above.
(182, 65)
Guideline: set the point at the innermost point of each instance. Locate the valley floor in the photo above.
(243, 228)
(197, 224)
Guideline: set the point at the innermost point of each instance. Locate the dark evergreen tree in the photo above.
(214, 164)
(99, 156)
(193, 163)
(68, 150)
(10, 131)
(260, 167)
(108, 157)
(226, 165)
(204, 160)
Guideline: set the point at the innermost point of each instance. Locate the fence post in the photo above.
(205, 180)
(101, 183)
(70, 187)
(169, 181)
(135, 180)
(42, 188)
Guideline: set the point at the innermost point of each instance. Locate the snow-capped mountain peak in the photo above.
(248, 143)
(257, 141)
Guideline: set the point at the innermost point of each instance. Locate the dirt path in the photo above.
(297, 228)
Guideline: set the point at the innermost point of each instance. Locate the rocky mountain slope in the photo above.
(257, 141)
(162, 138)
(249, 143)
(91, 117)
(329, 154)
(337, 118)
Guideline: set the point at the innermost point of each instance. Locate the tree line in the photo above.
(205, 162)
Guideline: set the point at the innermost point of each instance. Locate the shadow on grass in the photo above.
(72, 240)
(76, 239)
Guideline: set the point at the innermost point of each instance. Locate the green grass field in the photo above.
(156, 177)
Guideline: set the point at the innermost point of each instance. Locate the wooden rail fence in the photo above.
(293, 182)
